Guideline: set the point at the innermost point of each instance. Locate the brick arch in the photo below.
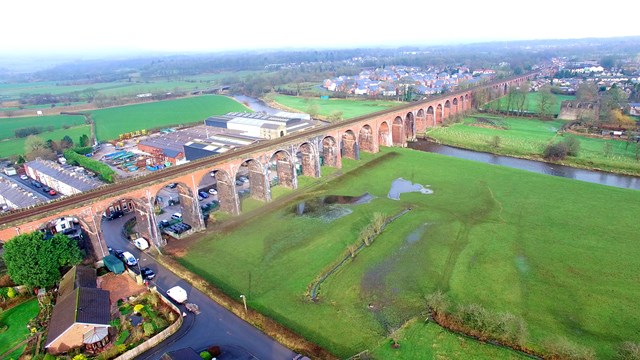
(447, 109)
(330, 151)
(454, 106)
(439, 114)
(421, 121)
(349, 146)
(409, 126)
(384, 134)
(308, 159)
(258, 183)
(397, 130)
(282, 162)
(365, 138)
(227, 196)
(431, 119)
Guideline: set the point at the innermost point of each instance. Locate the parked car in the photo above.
(147, 274)
(239, 182)
(141, 243)
(52, 192)
(177, 216)
(213, 191)
(46, 189)
(172, 185)
(129, 259)
(117, 253)
(164, 224)
(114, 214)
(24, 177)
(203, 194)
(36, 184)
(243, 178)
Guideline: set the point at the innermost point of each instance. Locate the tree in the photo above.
(35, 262)
(620, 120)
(66, 142)
(613, 99)
(84, 140)
(546, 101)
(587, 92)
(35, 147)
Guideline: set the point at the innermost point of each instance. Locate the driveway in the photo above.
(215, 325)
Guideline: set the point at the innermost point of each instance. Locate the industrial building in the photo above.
(12, 196)
(65, 180)
(216, 143)
(261, 125)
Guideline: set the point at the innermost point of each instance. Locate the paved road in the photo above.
(215, 325)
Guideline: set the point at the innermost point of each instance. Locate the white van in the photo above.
(141, 243)
(129, 259)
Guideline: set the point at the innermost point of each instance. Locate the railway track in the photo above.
(139, 181)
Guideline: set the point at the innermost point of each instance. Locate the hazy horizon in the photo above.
(80, 28)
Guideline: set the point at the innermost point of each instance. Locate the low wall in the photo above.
(160, 337)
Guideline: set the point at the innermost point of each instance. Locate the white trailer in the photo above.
(178, 294)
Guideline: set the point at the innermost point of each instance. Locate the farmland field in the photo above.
(15, 146)
(531, 103)
(524, 137)
(8, 126)
(349, 108)
(557, 252)
(111, 122)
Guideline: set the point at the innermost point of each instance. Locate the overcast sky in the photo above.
(87, 26)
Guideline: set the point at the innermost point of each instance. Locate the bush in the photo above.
(83, 150)
(205, 355)
(138, 308)
(106, 173)
(49, 357)
(214, 350)
(561, 348)
(11, 293)
(80, 357)
(557, 151)
(573, 146)
(148, 329)
(629, 351)
(438, 302)
(3, 328)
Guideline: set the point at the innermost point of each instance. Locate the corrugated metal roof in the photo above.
(73, 179)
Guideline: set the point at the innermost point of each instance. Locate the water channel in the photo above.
(599, 177)
(256, 105)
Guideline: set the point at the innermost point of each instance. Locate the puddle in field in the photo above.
(521, 264)
(400, 185)
(330, 207)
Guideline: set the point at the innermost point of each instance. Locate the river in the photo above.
(256, 105)
(599, 177)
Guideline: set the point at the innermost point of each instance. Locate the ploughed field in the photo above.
(559, 253)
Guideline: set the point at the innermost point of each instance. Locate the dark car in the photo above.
(46, 189)
(117, 253)
(164, 224)
(147, 274)
(36, 184)
(114, 214)
(172, 185)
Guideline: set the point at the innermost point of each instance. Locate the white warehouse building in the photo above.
(62, 179)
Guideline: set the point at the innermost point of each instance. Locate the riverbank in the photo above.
(527, 139)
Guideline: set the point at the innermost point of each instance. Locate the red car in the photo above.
(52, 192)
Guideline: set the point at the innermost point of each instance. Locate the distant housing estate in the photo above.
(392, 80)
(62, 179)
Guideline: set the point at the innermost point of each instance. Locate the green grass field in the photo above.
(111, 122)
(528, 137)
(8, 126)
(531, 103)
(15, 146)
(13, 91)
(560, 253)
(349, 108)
(17, 319)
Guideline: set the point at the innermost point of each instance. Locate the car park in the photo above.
(114, 214)
(46, 189)
(244, 179)
(36, 184)
(239, 182)
(164, 224)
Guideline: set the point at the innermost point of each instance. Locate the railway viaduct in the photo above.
(302, 152)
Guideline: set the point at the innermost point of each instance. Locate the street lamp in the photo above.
(244, 301)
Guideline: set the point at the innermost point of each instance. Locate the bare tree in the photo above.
(546, 100)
